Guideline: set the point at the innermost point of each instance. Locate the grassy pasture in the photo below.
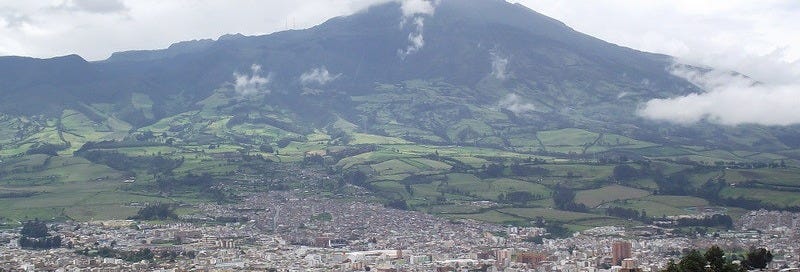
(548, 214)
(662, 151)
(660, 205)
(779, 198)
(490, 189)
(394, 167)
(261, 130)
(83, 200)
(581, 172)
(596, 197)
(652, 208)
(567, 137)
(678, 201)
(454, 209)
(42, 169)
(622, 142)
(362, 138)
(789, 177)
(506, 185)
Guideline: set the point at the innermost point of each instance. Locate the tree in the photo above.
(34, 229)
(625, 173)
(716, 258)
(140, 255)
(266, 148)
(158, 211)
(356, 177)
(675, 184)
(518, 197)
(758, 258)
(693, 262)
(564, 198)
(672, 267)
(399, 204)
(494, 170)
(314, 159)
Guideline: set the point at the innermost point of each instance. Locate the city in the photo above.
(284, 232)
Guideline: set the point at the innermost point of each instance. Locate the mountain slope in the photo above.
(485, 61)
(481, 100)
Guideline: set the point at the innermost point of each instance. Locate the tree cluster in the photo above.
(315, 159)
(494, 170)
(625, 173)
(158, 211)
(564, 199)
(399, 204)
(153, 164)
(675, 184)
(757, 258)
(144, 254)
(627, 213)
(717, 220)
(46, 149)
(35, 235)
(357, 178)
(112, 144)
(717, 261)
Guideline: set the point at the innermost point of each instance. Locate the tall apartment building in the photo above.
(620, 250)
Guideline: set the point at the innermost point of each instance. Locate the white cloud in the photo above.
(730, 99)
(91, 30)
(254, 83)
(12, 19)
(759, 39)
(755, 38)
(318, 76)
(499, 65)
(416, 38)
(93, 6)
(515, 104)
(415, 10)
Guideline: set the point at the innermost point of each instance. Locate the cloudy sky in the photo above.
(758, 38)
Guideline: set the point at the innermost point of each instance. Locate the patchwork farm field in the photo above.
(440, 177)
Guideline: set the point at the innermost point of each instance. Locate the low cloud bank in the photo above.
(729, 99)
(319, 76)
(254, 83)
(514, 103)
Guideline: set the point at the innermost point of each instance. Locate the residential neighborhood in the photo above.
(283, 231)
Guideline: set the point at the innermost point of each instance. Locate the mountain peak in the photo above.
(227, 37)
(486, 47)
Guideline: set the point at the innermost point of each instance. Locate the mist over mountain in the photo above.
(393, 71)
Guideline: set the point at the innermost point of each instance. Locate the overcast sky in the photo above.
(758, 38)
